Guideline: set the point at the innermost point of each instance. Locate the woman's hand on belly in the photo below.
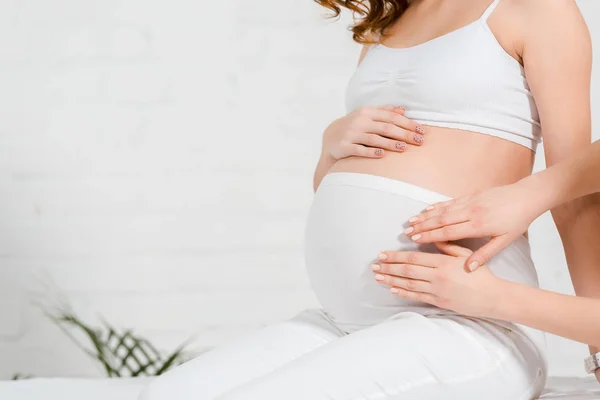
(369, 131)
(440, 280)
(502, 213)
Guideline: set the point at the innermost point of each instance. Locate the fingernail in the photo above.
(409, 230)
(419, 138)
(379, 277)
(382, 256)
(473, 266)
(416, 237)
(429, 208)
(394, 290)
(402, 107)
(400, 145)
(375, 267)
(420, 129)
(413, 219)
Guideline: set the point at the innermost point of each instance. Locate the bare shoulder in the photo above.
(547, 23)
(551, 16)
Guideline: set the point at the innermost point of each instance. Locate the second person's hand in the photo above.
(501, 213)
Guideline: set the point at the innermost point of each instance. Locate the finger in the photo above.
(393, 132)
(453, 249)
(410, 271)
(397, 109)
(439, 221)
(413, 285)
(414, 296)
(373, 140)
(366, 152)
(446, 233)
(412, 257)
(436, 210)
(487, 251)
(395, 119)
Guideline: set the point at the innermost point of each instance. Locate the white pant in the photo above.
(366, 343)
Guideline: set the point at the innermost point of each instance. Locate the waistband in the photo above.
(383, 184)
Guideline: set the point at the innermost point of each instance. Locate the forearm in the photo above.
(581, 174)
(578, 223)
(575, 318)
(570, 179)
(326, 161)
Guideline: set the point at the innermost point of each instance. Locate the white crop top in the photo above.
(463, 80)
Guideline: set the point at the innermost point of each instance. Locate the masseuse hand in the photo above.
(440, 280)
(369, 131)
(502, 213)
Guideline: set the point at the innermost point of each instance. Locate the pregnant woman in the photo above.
(478, 83)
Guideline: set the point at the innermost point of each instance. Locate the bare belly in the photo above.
(451, 162)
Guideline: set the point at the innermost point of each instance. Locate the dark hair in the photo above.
(374, 16)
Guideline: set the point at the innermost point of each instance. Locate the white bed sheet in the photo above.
(128, 389)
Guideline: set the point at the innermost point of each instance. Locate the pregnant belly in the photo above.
(362, 207)
(352, 219)
(348, 226)
(452, 162)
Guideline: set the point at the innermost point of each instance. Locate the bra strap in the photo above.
(489, 10)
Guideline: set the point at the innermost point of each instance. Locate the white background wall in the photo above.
(155, 169)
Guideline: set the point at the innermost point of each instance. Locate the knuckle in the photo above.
(476, 209)
(357, 150)
(440, 276)
(447, 231)
(399, 120)
(371, 140)
(477, 224)
(383, 268)
(411, 285)
(363, 111)
(442, 220)
(407, 270)
(359, 122)
(412, 258)
(386, 128)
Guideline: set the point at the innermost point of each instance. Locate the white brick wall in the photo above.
(156, 164)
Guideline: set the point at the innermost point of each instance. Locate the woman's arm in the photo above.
(575, 318)
(558, 61)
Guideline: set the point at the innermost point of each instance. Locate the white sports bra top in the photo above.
(462, 80)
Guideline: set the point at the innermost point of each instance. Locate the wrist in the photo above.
(505, 300)
(540, 195)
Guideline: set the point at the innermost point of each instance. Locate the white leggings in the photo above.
(365, 343)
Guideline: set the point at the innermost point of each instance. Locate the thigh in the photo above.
(409, 357)
(259, 353)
